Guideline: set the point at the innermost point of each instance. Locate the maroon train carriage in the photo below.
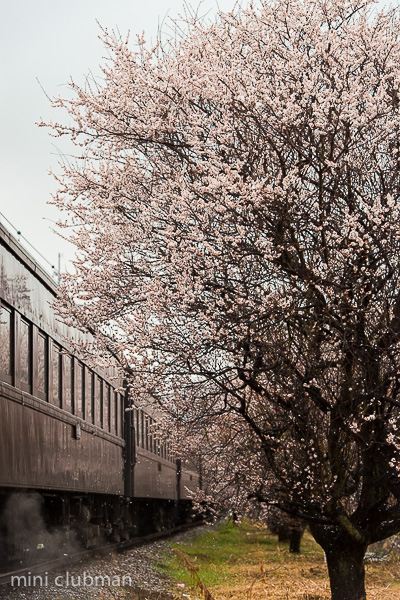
(73, 462)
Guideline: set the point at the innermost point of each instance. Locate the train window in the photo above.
(137, 427)
(113, 414)
(134, 424)
(25, 355)
(106, 407)
(6, 344)
(147, 431)
(89, 396)
(68, 383)
(79, 389)
(42, 365)
(56, 372)
(98, 401)
(122, 409)
(169, 452)
(150, 433)
(156, 443)
(121, 413)
(118, 416)
(142, 428)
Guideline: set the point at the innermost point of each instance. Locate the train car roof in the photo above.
(8, 240)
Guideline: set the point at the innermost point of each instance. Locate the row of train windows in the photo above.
(146, 436)
(32, 361)
(46, 370)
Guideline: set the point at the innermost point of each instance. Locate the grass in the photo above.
(246, 562)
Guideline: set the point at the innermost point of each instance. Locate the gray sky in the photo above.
(49, 41)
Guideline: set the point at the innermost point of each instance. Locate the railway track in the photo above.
(50, 565)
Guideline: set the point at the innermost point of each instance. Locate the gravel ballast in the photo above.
(128, 575)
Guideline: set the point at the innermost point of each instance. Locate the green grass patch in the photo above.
(232, 551)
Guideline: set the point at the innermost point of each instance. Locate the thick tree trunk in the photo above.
(345, 558)
(347, 573)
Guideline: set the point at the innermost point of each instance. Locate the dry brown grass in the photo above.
(301, 582)
(304, 583)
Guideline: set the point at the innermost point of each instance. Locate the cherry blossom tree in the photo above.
(235, 208)
(235, 475)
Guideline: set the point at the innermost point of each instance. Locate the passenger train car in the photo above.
(72, 459)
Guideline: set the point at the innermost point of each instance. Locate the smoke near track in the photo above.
(26, 533)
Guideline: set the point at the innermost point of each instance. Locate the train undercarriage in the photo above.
(36, 524)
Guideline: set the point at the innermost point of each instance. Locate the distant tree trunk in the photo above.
(296, 535)
(288, 529)
(283, 533)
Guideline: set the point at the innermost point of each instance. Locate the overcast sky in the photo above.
(49, 41)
